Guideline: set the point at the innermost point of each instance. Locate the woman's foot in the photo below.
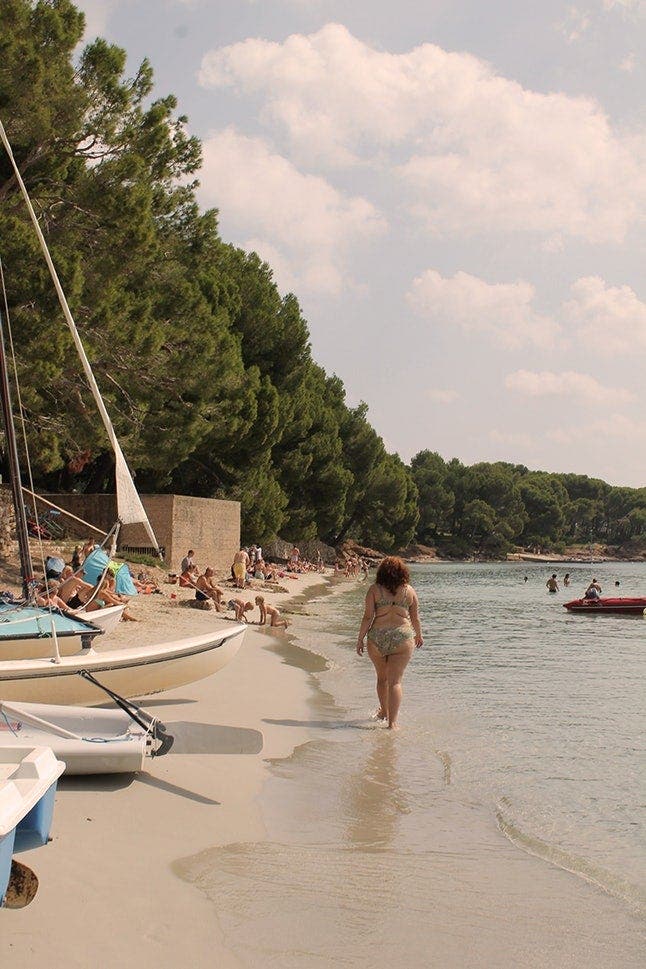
(379, 715)
(393, 726)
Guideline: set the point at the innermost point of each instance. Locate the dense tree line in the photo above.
(488, 508)
(206, 369)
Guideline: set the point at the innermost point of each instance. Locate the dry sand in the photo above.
(107, 894)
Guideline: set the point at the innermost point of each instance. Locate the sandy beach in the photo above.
(284, 819)
(108, 894)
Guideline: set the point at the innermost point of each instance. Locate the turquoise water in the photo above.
(502, 826)
(540, 712)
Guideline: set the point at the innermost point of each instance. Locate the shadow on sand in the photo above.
(169, 788)
(208, 738)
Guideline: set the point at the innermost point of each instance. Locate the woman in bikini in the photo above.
(391, 624)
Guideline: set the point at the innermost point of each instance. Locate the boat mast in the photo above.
(22, 534)
(129, 506)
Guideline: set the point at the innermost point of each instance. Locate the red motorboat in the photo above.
(623, 606)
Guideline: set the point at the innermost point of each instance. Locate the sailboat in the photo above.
(55, 674)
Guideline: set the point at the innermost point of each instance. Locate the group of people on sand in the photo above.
(70, 592)
(209, 595)
(249, 564)
(296, 562)
(351, 567)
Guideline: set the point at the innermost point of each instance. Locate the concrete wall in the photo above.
(208, 525)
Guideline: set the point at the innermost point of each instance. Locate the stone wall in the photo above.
(209, 526)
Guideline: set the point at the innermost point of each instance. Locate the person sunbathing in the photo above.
(47, 596)
(107, 596)
(145, 583)
(73, 590)
(189, 577)
(271, 612)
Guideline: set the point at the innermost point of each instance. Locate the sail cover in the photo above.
(129, 507)
(97, 562)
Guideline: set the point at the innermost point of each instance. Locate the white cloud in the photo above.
(442, 396)
(629, 63)
(97, 14)
(577, 386)
(619, 426)
(609, 319)
(615, 428)
(553, 243)
(300, 223)
(575, 24)
(629, 6)
(502, 310)
(476, 151)
(512, 439)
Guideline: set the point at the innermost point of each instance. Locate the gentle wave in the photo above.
(612, 884)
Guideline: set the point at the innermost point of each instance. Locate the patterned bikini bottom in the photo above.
(389, 640)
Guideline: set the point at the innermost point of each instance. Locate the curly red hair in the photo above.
(392, 574)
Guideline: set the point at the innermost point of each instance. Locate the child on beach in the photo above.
(239, 606)
(272, 612)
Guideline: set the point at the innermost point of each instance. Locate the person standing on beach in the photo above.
(240, 566)
(392, 627)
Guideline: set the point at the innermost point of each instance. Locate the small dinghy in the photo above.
(620, 606)
(89, 740)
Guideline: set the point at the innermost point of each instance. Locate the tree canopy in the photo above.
(206, 369)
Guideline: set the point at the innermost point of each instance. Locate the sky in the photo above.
(454, 190)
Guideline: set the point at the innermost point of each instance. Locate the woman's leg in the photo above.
(397, 663)
(381, 668)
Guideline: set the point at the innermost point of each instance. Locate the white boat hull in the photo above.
(137, 671)
(86, 740)
(106, 619)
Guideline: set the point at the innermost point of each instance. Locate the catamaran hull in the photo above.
(26, 632)
(98, 741)
(18, 647)
(138, 671)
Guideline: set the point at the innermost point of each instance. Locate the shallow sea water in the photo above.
(502, 826)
